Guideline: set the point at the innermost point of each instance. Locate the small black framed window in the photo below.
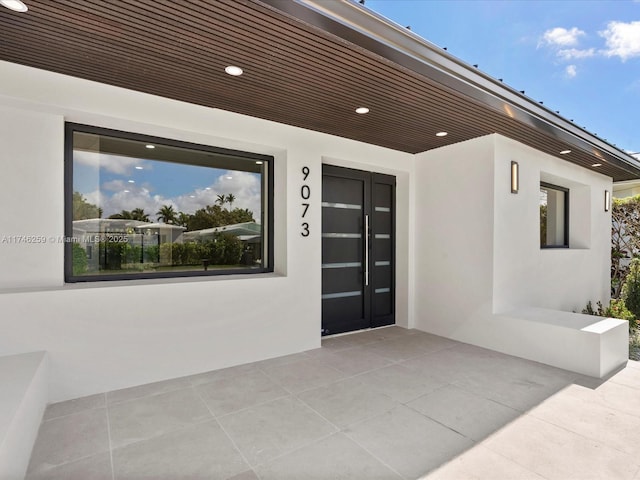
(138, 206)
(554, 216)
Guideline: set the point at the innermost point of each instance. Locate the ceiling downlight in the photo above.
(234, 71)
(15, 5)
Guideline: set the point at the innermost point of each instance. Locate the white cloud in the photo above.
(574, 53)
(561, 37)
(111, 163)
(622, 40)
(569, 54)
(244, 186)
(571, 71)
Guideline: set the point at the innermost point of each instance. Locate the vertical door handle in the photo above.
(366, 250)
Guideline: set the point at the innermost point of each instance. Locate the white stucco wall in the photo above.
(555, 278)
(454, 236)
(481, 276)
(116, 334)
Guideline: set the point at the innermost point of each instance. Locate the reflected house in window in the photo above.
(249, 233)
(113, 244)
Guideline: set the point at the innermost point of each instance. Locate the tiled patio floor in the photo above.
(383, 404)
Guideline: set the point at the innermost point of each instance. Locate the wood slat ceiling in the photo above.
(295, 73)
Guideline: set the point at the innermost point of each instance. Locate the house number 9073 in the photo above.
(305, 193)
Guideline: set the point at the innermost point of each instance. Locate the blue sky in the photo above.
(579, 57)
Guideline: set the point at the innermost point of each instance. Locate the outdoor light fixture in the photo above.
(564, 152)
(441, 134)
(15, 5)
(515, 177)
(233, 71)
(150, 146)
(596, 165)
(362, 110)
(607, 200)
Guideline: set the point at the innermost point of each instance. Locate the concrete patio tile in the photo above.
(455, 363)
(341, 343)
(195, 452)
(630, 377)
(132, 393)
(516, 383)
(400, 383)
(347, 401)
(355, 360)
(556, 453)
(612, 395)
(76, 405)
(284, 360)
(269, 430)
(303, 374)
(154, 415)
(480, 463)
(407, 441)
(472, 416)
(633, 364)
(230, 394)
(409, 402)
(248, 475)
(408, 346)
(69, 438)
(96, 467)
(592, 420)
(207, 377)
(336, 457)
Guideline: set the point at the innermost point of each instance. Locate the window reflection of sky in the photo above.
(114, 183)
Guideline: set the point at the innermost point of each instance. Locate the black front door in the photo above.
(358, 245)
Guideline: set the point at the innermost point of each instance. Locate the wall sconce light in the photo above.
(515, 177)
(607, 200)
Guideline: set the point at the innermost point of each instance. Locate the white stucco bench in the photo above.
(586, 344)
(23, 398)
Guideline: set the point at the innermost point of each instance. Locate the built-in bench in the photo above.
(586, 344)
(23, 398)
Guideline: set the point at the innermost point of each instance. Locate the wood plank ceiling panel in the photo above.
(294, 73)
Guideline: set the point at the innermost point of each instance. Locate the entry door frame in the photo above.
(371, 183)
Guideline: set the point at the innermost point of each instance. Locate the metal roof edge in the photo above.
(369, 30)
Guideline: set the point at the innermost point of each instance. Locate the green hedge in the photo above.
(223, 249)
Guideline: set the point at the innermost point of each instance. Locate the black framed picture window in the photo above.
(138, 206)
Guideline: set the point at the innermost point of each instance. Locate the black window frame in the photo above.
(268, 162)
(551, 186)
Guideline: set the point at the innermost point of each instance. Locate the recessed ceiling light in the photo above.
(150, 146)
(596, 165)
(442, 134)
(15, 5)
(234, 71)
(138, 168)
(564, 152)
(362, 110)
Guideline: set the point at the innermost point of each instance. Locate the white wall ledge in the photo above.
(587, 344)
(23, 380)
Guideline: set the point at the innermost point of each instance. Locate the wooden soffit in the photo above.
(306, 63)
